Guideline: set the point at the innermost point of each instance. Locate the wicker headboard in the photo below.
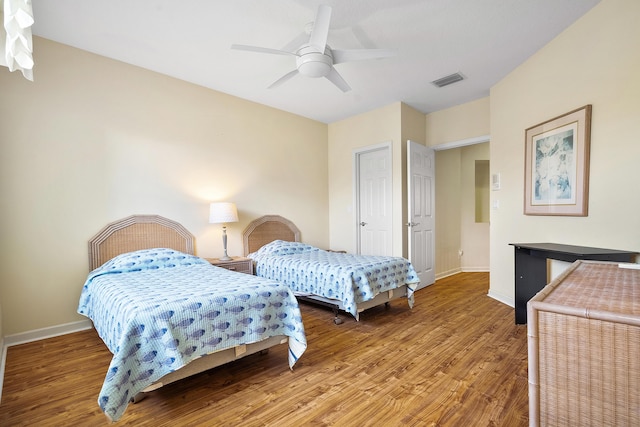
(266, 229)
(138, 232)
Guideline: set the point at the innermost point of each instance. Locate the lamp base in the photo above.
(224, 257)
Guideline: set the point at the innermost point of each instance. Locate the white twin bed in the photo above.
(347, 282)
(166, 314)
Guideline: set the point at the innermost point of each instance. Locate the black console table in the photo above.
(531, 267)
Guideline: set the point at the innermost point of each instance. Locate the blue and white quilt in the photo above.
(349, 278)
(159, 309)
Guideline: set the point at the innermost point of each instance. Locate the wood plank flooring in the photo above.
(456, 359)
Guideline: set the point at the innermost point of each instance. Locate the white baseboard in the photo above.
(502, 298)
(475, 269)
(3, 357)
(36, 335)
(44, 333)
(448, 273)
(453, 271)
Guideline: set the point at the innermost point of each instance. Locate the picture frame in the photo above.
(556, 165)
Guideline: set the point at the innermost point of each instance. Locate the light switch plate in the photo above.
(495, 181)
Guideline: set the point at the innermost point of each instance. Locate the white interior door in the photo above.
(421, 219)
(373, 200)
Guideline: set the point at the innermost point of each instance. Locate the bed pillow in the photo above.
(148, 259)
(281, 247)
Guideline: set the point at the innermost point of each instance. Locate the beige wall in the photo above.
(93, 140)
(448, 212)
(595, 61)
(458, 123)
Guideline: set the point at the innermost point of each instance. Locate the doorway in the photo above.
(462, 236)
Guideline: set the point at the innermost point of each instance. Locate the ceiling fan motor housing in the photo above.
(312, 63)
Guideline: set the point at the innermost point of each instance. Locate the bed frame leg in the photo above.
(138, 397)
(337, 320)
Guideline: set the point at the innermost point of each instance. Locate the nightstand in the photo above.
(239, 264)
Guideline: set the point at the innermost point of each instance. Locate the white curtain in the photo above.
(16, 46)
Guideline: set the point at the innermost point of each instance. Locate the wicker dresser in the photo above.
(584, 348)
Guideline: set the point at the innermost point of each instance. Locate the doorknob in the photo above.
(363, 223)
(412, 224)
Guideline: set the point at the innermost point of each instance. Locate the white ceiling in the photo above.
(483, 40)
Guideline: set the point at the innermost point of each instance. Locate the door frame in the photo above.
(357, 153)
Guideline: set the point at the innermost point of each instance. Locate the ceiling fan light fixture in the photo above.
(314, 64)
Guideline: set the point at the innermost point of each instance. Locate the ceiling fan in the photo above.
(315, 58)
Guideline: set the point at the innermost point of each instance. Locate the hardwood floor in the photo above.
(456, 359)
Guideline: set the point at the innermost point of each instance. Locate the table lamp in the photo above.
(223, 213)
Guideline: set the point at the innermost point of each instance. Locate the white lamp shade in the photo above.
(220, 213)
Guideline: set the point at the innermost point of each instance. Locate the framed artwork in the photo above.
(556, 165)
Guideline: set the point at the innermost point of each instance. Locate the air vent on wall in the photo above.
(450, 79)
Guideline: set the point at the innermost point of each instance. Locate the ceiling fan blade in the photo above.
(283, 79)
(341, 56)
(295, 43)
(335, 78)
(320, 30)
(261, 49)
